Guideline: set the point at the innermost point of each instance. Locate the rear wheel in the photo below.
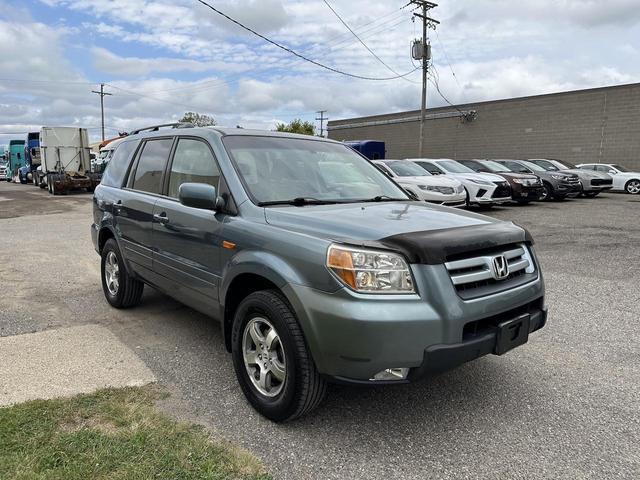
(633, 187)
(120, 289)
(271, 358)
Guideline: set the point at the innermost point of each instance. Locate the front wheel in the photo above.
(271, 358)
(547, 192)
(633, 187)
(120, 289)
(591, 194)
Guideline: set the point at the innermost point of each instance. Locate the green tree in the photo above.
(198, 119)
(297, 126)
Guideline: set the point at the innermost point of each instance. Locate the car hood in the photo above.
(487, 177)
(521, 176)
(424, 233)
(435, 180)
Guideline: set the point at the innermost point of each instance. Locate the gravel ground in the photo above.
(563, 406)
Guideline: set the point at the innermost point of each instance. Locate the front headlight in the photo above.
(520, 181)
(479, 182)
(370, 271)
(559, 177)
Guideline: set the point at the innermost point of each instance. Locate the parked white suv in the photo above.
(440, 190)
(482, 188)
(623, 179)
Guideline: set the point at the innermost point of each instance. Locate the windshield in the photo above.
(281, 169)
(565, 164)
(533, 166)
(452, 166)
(495, 166)
(620, 168)
(406, 169)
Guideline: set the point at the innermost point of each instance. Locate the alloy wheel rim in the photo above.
(112, 273)
(634, 187)
(264, 357)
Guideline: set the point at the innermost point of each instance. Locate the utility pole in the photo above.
(102, 94)
(322, 118)
(422, 51)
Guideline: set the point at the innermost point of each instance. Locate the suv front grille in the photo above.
(503, 190)
(477, 276)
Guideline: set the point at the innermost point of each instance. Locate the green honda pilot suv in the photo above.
(314, 276)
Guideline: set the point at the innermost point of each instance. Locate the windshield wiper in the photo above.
(298, 202)
(383, 198)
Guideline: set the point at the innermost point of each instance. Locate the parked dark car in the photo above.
(593, 183)
(312, 278)
(556, 185)
(525, 188)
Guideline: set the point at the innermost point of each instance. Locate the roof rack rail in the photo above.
(155, 128)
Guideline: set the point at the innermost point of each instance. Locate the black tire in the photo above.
(591, 194)
(303, 388)
(547, 193)
(523, 201)
(129, 290)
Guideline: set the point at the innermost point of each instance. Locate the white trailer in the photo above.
(65, 160)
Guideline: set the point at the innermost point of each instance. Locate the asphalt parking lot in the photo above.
(563, 406)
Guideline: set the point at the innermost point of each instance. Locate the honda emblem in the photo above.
(500, 267)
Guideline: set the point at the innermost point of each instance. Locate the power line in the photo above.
(361, 41)
(293, 52)
(448, 61)
(138, 94)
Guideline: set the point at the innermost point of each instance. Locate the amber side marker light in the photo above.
(228, 245)
(341, 262)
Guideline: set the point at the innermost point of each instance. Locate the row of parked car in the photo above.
(461, 183)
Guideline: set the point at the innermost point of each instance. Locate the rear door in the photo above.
(187, 240)
(134, 209)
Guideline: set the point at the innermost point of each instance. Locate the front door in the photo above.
(187, 240)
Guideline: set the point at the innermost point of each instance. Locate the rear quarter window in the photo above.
(119, 164)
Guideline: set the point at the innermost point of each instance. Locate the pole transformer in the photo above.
(422, 51)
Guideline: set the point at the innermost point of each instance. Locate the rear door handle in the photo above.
(117, 207)
(161, 218)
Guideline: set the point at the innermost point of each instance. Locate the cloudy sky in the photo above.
(164, 57)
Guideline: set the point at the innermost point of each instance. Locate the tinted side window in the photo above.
(602, 168)
(117, 167)
(151, 165)
(192, 162)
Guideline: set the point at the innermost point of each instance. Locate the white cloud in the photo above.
(185, 57)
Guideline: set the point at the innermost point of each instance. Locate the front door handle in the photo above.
(160, 218)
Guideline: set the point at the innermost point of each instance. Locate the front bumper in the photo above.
(526, 192)
(352, 337)
(94, 237)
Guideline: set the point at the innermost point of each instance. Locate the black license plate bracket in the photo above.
(512, 333)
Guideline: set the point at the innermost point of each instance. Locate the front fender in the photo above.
(265, 264)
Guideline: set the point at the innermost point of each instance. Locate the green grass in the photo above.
(112, 434)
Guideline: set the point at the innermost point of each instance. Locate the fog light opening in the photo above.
(391, 374)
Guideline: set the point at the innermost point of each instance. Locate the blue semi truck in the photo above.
(372, 149)
(16, 158)
(28, 172)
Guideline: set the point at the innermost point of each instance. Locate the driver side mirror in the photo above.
(200, 195)
(613, 172)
